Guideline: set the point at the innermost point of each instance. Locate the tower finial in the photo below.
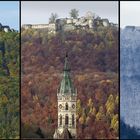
(66, 65)
(66, 54)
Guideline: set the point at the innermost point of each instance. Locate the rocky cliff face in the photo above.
(130, 75)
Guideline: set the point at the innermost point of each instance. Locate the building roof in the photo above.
(66, 86)
(66, 134)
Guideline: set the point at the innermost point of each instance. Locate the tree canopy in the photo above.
(74, 13)
(9, 85)
(93, 57)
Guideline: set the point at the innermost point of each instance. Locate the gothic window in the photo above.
(60, 106)
(66, 120)
(73, 106)
(60, 119)
(66, 106)
(73, 119)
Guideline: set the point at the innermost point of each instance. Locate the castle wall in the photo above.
(69, 24)
(27, 26)
(40, 26)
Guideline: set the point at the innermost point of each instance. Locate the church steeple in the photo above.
(66, 86)
(66, 98)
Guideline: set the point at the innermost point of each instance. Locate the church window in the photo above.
(73, 106)
(66, 106)
(60, 106)
(66, 120)
(72, 119)
(60, 119)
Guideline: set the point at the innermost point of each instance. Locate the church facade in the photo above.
(66, 97)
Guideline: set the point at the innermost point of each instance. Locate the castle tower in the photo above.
(66, 97)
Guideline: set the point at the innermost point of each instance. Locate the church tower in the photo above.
(66, 97)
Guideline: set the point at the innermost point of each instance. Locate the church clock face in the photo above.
(73, 106)
(60, 106)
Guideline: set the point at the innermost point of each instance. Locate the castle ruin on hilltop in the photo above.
(5, 28)
(69, 24)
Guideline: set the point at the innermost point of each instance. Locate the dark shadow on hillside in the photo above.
(127, 132)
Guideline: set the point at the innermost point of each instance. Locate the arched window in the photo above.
(60, 119)
(66, 120)
(66, 106)
(73, 119)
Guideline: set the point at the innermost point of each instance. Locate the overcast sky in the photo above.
(9, 13)
(33, 12)
(130, 13)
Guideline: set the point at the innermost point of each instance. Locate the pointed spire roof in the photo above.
(66, 86)
(66, 65)
(66, 134)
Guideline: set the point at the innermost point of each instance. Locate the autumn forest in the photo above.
(93, 57)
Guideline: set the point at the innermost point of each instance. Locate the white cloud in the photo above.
(130, 12)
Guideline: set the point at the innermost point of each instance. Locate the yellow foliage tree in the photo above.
(82, 119)
(110, 106)
(117, 100)
(79, 108)
(93, 111)
(115, 123)
(100, 115)
(87, 119)
(90, 103)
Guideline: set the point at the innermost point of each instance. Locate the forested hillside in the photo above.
(9, 85)
(93, 57)
(130, 79)
(127, 132)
